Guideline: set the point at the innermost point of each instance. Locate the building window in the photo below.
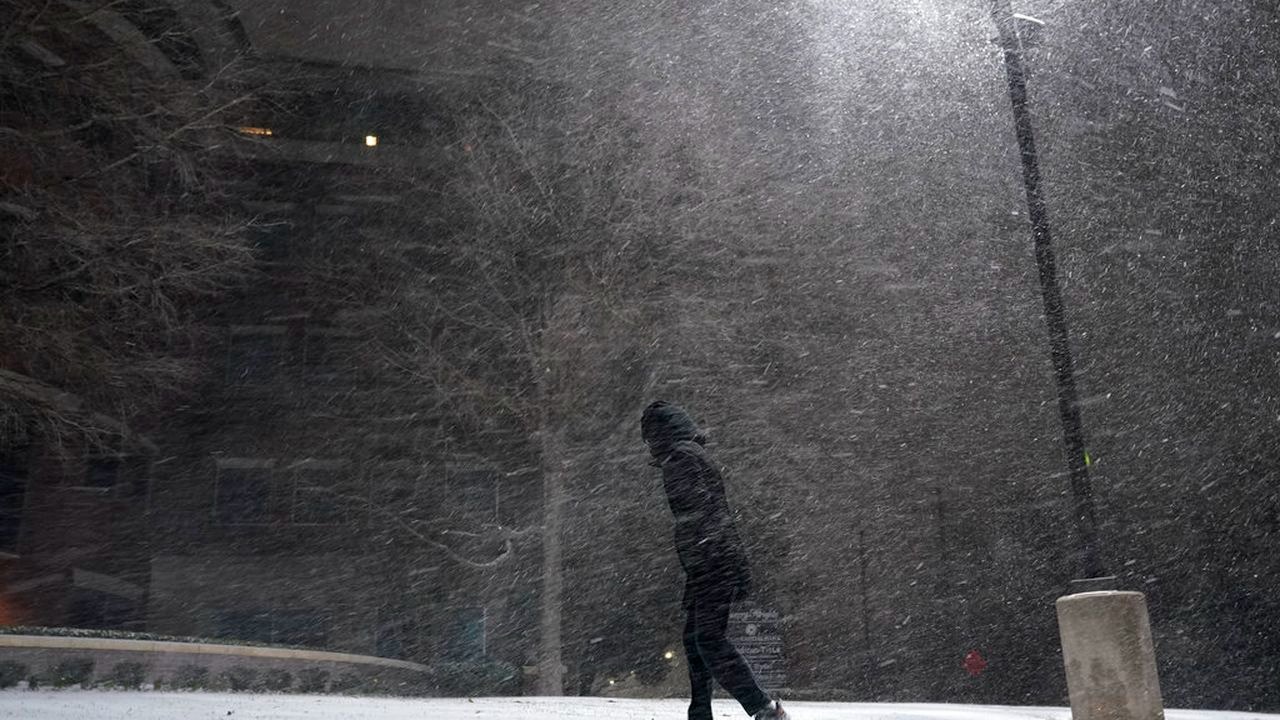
(328, 355)
(319, 493)
(93, 609)
(242, 494)
(400, 491)
(244, 625)
(395, 634)
(472, 496)
(103, 601)
(13, 492)
(303, 627)
(465, 637)
(102, 472)
(256, 354)
(271, 240)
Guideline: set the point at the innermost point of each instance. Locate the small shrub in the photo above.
(11, 672)
(312, 680)
(349, 683)
(33, 682)
(468, 679)
(276, 680)
(131, 635)
(423, 686)
(190, 677)
(72, 671)
(239, 678)
(129, 675)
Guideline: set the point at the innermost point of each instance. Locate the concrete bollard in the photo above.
(1109, 656)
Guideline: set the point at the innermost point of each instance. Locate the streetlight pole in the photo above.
(1059, 340)
(866, 611)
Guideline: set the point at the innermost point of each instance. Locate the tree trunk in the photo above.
(550, 664)
(586, 679)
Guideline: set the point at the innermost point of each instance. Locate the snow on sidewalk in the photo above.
(107, 705)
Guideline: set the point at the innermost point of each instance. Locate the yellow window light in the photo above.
(259, 131)
(371, 140)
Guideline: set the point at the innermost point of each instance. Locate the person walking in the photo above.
(714, 562)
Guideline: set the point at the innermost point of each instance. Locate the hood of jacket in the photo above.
(665, 425)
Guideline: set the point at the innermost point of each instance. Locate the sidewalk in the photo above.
(122, 705)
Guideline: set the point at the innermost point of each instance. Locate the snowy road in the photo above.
(105, 705)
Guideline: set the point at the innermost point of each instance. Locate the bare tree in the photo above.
(531, 321)
(111, 223)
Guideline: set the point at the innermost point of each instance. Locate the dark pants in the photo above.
(711, 655)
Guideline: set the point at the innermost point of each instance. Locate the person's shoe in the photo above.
(701, 712)
(773, 711)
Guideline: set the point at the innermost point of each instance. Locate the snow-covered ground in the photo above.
(106, 705)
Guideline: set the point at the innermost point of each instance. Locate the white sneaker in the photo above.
(773, 712)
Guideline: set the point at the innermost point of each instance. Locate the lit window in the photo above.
(371, 140)
(258, 131)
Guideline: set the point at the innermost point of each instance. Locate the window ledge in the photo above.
(91, 490)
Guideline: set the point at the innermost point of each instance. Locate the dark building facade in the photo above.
(309, 499)
(299, 495)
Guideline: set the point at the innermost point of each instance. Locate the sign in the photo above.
(974, 663)
(757, 634)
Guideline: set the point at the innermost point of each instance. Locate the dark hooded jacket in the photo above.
(707, 540)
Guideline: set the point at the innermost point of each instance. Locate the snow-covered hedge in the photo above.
(295, 669)
(131, 635)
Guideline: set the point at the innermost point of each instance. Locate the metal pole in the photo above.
(1059, 343)
(866, 612)
(946, 618)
